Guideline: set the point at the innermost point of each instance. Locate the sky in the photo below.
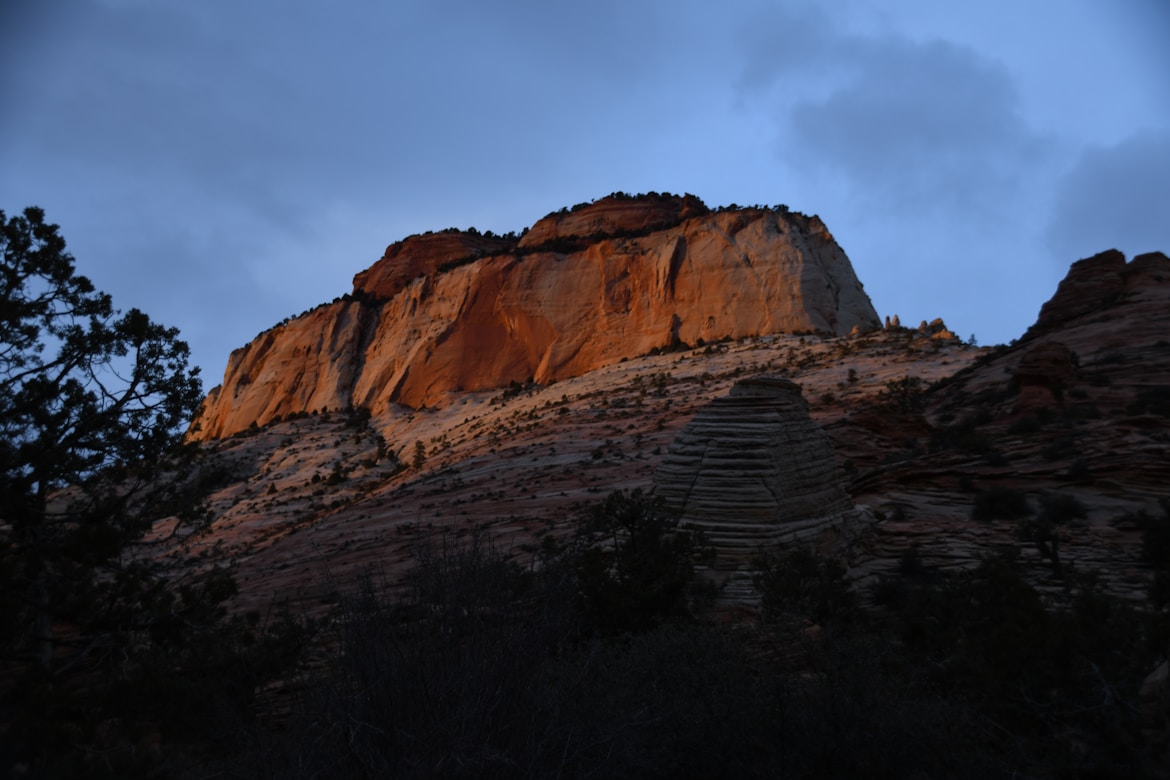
(225, 164)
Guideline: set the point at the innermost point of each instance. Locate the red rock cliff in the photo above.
(583, 289)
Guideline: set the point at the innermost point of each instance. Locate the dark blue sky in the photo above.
(223, 165)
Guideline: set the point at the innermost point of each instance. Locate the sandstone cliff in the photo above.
(582, 289)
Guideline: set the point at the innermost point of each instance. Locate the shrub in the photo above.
(636, 566)
(804, 583)
(1155, 535)
(902, 395)
(438, 680)
(1047, 677)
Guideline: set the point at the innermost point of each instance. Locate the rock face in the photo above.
(753, 471)
(583, 289)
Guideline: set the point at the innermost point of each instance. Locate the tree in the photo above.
(637, 567)
(803, 583)
(903, 395)
(92, 402)
(1043, 530)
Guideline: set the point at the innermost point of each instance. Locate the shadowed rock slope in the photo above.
(455, 312)
(924, 429)
(1074, 415)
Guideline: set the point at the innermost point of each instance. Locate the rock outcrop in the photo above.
(582, 289)
(424, 255)
(615, 215)
(1042, 374)
(1098, 282)
(754, 472)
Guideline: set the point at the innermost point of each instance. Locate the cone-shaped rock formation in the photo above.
(753, 471)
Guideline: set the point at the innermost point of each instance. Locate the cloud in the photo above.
(916, 148)
(904, 126)
(922, 126)
(1115, 197)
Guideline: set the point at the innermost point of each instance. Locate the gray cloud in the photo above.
(922, 160)
(906, 126)
(1115, 197)
(922, 127)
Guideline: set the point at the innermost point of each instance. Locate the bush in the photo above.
(1043, 530)
(438, 681)
(1156, 536)
(1055, 690)
(1156, 550)
(480, 666)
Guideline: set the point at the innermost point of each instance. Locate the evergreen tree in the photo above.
(93, 638)
(91, 400)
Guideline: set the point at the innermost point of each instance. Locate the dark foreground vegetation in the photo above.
(590, 658)
(485, 667)
(102, 654)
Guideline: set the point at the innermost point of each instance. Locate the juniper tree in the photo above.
(92, 400)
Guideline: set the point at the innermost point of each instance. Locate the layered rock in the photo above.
(460, 311)
(754, 472)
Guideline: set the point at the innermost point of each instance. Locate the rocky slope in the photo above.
(456, 312)
(1078, 409)
(924, 428)
(305, 503)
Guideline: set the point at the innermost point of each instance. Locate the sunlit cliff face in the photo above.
(463, 312)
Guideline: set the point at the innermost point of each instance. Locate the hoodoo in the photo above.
(584, 288)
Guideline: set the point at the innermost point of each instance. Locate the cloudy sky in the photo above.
(223, 164)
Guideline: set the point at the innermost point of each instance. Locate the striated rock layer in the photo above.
(460, 311)
(753, 471)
